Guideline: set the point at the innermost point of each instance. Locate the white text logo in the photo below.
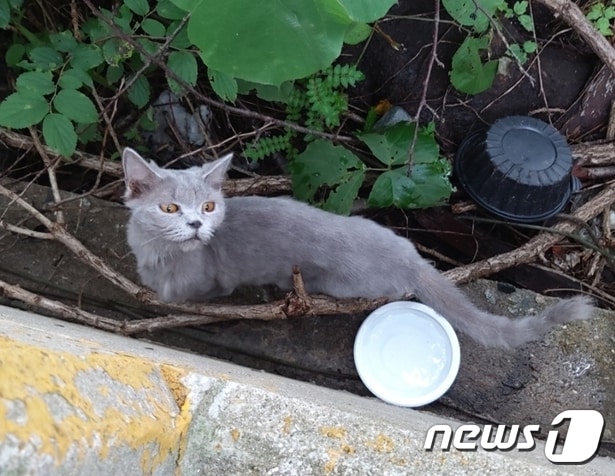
(579, 446)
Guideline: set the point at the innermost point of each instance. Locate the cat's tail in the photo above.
(492, 330)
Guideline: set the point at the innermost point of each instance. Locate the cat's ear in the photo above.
(138, 174)
(215, 172)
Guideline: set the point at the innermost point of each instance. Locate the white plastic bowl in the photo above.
(406, 354)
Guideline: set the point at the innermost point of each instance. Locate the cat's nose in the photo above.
(196, 224)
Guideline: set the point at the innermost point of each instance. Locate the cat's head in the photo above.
(180, 206)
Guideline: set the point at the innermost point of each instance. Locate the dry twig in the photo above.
(264, 185)
(539, 244)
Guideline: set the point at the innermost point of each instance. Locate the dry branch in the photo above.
(70, 313)
(539, 244)
(264, 185)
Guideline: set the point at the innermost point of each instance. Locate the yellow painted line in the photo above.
(132, 407)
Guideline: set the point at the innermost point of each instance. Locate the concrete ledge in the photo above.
(74, 400)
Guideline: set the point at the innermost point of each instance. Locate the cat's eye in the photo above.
(208, 207)
(169, 207)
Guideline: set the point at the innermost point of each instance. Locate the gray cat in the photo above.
(192, 244)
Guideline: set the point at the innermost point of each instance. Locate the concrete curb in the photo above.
(74, 400)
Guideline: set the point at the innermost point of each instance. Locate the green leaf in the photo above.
(74, 78)
(367, 11)
(180, 40)
(520, 7)
(392, 187)
(530, 46)
(46, 58)
(63, 41)
(426, 149)
(392, 146)
(14, 54)
(139, 92)
(182, 63)
(356, 33)
(59, 134)
(166, 9)
(186, 5)
(86, 57)
(292, 38)
(71, 79)
(114, 73)
(526, 22)
(37, 82)
(5, 13)
(151, 48)
(426, 186)
(140, 7)
(324, 165)
(76, 106)
(21, 110)
(223, 85)
(153, 27)
(116, 50)
(431, 183)
(341, 199)
(472, 13)
(518, 53)
(96, 29)
(468, 73)
(123, 19)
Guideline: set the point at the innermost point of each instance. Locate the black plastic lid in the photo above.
(518, 169)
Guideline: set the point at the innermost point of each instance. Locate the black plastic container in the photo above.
(518, 169)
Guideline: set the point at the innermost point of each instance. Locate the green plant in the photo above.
(317, 102)
(59, 71)
(273, 42)
(473, 69)
(412, 173)
(283, 51)
(601, 15)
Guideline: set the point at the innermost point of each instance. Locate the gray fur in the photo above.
(256, 241)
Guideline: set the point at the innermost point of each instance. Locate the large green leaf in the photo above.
(367, 11)
(76, 106)
(324, 165)
(37, 82)
(23, 110)
(59, 134)
(268, 42)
